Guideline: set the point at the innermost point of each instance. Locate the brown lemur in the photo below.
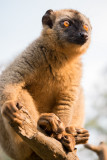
(45, 79)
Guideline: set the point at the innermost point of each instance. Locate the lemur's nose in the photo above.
(84, 35)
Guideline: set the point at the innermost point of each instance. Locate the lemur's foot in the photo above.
(10, 110)
(81, 135)
(51, 124)
(68, 141)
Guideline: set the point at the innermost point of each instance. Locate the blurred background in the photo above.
(20, 24)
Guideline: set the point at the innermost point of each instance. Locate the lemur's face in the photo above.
(69, 26)
(73, 29)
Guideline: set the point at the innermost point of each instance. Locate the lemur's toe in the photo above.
(68, 141)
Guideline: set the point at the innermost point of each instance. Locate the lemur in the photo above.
(46, 79)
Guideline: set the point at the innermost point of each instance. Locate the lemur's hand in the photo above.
(10, 110)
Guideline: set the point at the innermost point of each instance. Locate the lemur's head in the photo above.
(68, 28)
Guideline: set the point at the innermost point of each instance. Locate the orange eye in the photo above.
(66, 23)
(85, 27)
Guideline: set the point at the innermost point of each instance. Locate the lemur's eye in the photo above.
(85, 27)
(66, 23)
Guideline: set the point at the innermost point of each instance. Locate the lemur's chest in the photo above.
(47, 85)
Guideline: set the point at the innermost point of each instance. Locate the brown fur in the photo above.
(44, 78)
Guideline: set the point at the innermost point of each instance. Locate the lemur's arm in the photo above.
(17, 75)
(64, 105)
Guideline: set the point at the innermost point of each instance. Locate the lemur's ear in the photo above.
(47, 18)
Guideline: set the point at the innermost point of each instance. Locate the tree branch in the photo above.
(101, 150)
(45, 147)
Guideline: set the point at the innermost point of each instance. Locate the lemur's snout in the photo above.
(83, 35)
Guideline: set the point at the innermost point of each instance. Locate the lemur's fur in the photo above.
(45, 78)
